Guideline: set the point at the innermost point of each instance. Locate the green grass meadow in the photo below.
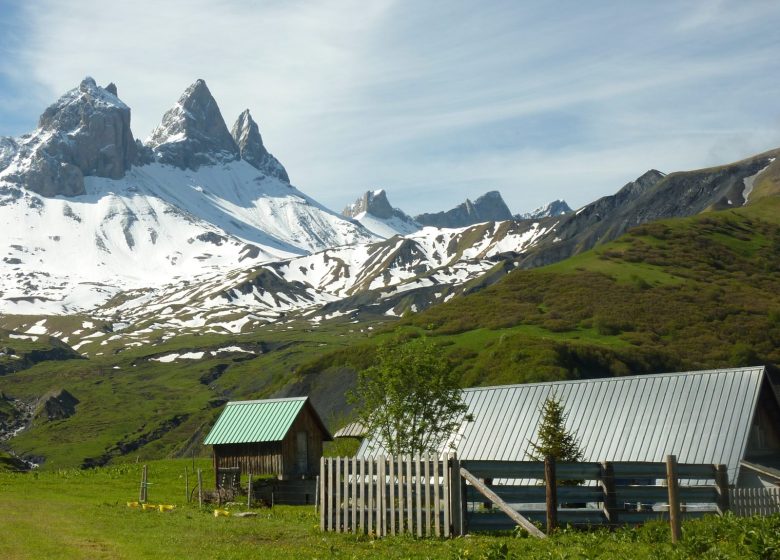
(74, 513)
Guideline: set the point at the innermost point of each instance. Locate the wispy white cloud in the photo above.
(435, 101)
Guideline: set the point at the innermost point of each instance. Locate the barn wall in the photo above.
(303, 423)
(257, 458)
(765, 431)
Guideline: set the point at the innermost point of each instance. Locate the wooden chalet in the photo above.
(281, 437)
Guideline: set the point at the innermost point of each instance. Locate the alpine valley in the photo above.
(144, 284)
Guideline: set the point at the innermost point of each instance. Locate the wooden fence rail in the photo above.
(755, 501)
(442, 496)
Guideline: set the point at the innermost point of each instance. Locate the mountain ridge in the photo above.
(490, 207)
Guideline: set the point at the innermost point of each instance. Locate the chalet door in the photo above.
(302, 452)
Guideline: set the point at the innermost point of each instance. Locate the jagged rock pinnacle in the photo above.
(193, 132)
(372, 202)
(246, 135)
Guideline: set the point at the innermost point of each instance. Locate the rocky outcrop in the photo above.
(374, 211)
(8, 150)
(85, 133)
(554, 208)
(246, 135)
(58, 406)
(193, 132)
(372, 202)
(489, 207)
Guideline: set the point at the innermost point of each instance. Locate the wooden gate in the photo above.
(386, 496)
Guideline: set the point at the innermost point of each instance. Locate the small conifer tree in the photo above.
(553, 439)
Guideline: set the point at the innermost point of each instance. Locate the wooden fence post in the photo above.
(317, 491)
(385, 491)
(722, 482)
(457, 499)
(427, 487)
(446, 495)
(345, 496)
(551, 492)
(674, 500)
(409, 497)
(186, 485)
(249, 491)
(321, 481)
(354, 511)
(142, 493)
(371, 526)
(362, 494)
(338, 494)
(610, 497)
(329, 504)
(436, 495)
(391, 501)
(200, 488)
(418, 492)
(399, 472)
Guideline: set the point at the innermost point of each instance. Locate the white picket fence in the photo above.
(755, 501)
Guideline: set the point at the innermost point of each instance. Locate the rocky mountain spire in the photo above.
(193, 132)
(371, 202)
(489, 207)
(86, 132)
(246, 134)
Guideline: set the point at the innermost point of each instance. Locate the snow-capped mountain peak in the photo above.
(193, 133)
(246, 134)
(554, 208)
(374, 212)
(103, 213)
(86, 132)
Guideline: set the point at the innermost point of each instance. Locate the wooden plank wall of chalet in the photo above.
(257, 458)
(303, 423)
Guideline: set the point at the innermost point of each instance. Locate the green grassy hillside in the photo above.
(19, 351)
(132, 404)
(674, 295)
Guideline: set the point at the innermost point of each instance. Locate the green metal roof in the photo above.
(255, 421)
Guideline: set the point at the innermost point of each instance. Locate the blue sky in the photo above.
(433, 101)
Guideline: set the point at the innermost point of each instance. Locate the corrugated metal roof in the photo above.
(354, 430)
(702, 417)
(255, 421)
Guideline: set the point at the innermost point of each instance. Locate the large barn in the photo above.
(282, 437)
(726, 416)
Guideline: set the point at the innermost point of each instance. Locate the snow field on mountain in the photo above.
(155, 226)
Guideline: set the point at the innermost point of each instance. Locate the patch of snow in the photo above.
(37, 328)
(748, 182)
(231, 349)
(166, 359)
(23, 337)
